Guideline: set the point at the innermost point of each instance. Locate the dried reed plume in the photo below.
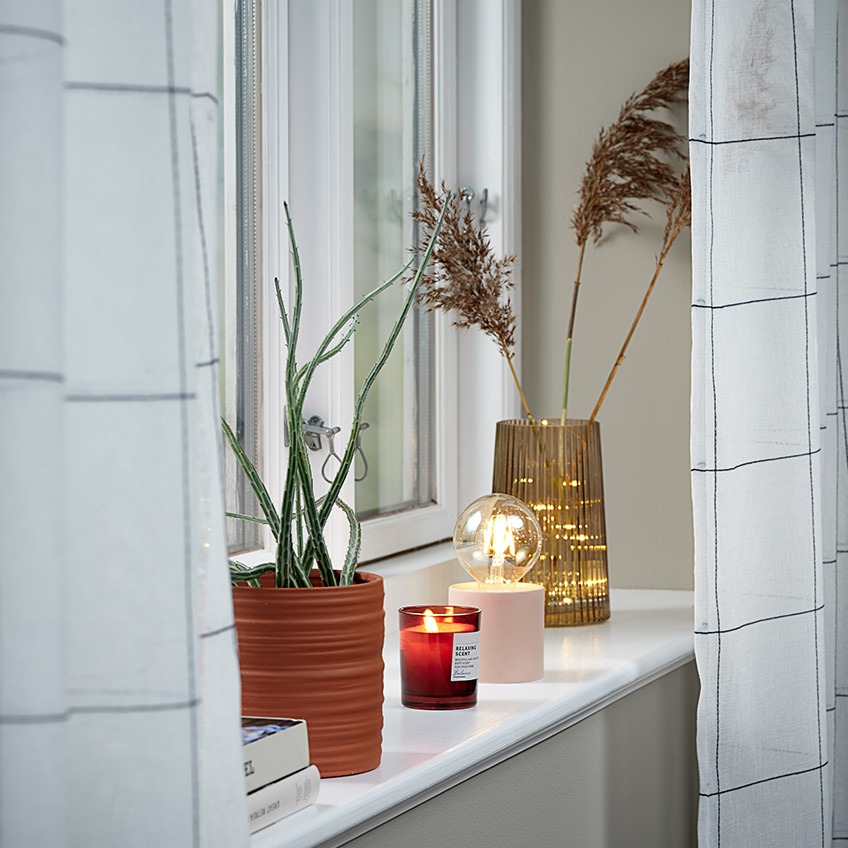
(624, 166)
(628, 164)
(464, 275)
(678, 218)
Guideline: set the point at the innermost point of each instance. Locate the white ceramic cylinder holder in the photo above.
(512, 630)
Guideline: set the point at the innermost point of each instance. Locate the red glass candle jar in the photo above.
(439, 657)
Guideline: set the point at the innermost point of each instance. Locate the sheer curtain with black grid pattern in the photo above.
(119, 700)
(769, 150)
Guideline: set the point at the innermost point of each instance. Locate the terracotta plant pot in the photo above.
(317, 654)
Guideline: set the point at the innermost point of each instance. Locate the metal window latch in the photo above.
(466, 195)
(314, 429)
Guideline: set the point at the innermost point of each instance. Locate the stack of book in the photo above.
(277, 771)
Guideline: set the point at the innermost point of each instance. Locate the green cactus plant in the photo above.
(297, 526)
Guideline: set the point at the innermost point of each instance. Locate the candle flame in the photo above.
(430, 624)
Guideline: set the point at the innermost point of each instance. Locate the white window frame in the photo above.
(476, 141)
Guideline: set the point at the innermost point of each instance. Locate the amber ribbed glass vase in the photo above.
(556, 470)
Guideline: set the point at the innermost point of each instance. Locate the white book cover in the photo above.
(283, 797)
(273, 748)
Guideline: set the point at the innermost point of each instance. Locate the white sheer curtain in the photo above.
(768, 110)
(119, 700)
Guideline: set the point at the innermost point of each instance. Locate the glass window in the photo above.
(392, 129)
(392, 120)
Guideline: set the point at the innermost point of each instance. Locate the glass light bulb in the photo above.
(497, 540)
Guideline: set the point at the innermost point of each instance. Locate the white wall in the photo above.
(579, 62)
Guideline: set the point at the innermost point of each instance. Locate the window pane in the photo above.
(392, 130)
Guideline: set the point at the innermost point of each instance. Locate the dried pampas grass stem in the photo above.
(678, 218)
(629, 164)
(465, 276)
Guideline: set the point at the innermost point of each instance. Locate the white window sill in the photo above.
(425, 753)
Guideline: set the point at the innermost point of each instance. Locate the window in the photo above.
(334, 103)
(392, 120)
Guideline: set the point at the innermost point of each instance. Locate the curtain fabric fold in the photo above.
(768, 146)
(119, 706)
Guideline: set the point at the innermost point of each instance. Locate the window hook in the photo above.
(484, 203)
(363, 426)
(466, 195)
(330, 436)
(314, 429)
(396, 205)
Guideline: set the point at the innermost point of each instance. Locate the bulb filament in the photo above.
(497, 542)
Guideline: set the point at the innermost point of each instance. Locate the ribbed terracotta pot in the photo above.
(317, 654)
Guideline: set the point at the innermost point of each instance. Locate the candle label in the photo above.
(466, 656)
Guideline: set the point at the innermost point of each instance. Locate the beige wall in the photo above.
(579, 62)
(623, 778)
